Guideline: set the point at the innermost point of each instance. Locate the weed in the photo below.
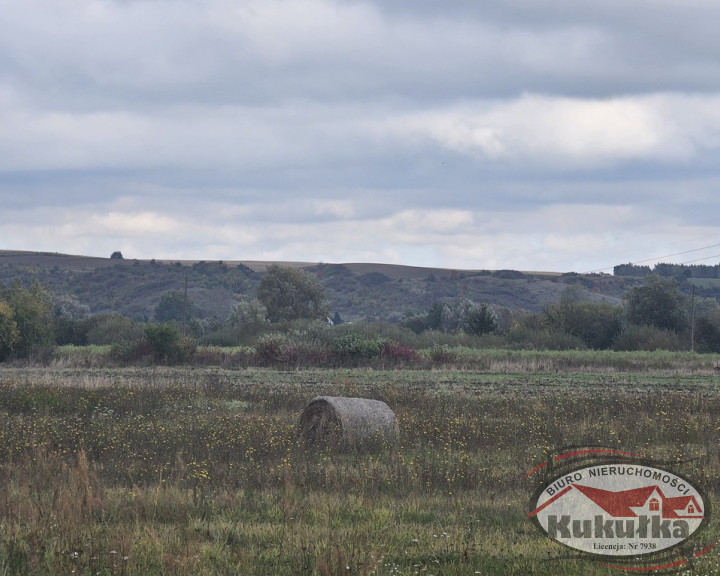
(198, 471)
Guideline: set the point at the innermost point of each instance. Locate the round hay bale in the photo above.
(347, 422)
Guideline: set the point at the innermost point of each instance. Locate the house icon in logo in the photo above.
(619, 508)
(648, 500)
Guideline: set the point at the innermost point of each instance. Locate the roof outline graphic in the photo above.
(620, 504)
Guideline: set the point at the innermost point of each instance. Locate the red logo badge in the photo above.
(620, 509)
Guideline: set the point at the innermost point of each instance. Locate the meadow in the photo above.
(199, 470)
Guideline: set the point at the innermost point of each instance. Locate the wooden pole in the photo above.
(692, 319)
(185, 306)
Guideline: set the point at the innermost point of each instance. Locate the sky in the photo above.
(562, 135)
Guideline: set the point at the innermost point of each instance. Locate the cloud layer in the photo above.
(562, 136)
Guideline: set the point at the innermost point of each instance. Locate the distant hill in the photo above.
(355, 291)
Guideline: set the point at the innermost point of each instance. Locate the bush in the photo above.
(355, 348)
(397, 352)
(310, 354)
(481, 319)
(648, 338)
(226, 357)
(31, 312)
(418, 324)
(248, 320)
(167, 344)
(274, 348)
(113, 328)
(227, 336)
(659, 303)
(185, 349)
(9, 334)
(174, 306)
(595, 323)
(131, 351)
(443, 355)
(707, 335)
(290, 294)
(528, 338)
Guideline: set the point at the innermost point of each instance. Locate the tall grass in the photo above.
(199, 471)
(366, 350)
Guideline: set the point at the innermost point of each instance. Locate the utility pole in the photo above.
(692, 319)
(185, 302)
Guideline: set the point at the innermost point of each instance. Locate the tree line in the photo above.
(677, 271)
(289, 312)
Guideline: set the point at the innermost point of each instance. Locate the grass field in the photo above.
(198, 471)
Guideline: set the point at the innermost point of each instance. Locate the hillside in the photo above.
(355, 291)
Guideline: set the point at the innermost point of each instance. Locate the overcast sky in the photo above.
(562, 135)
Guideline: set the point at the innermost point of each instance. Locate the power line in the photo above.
(699, 259)
(679, 254)
(666, 256)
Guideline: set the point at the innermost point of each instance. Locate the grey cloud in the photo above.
(145, 53)
(269, 127)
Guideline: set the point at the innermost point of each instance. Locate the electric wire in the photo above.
(636, 262)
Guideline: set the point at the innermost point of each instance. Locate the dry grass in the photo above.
(198, 472)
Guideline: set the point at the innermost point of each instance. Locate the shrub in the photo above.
(418, 323)
(131, 351)
(273, 349)
(226, 357)
(443, 355)
(312, 355)
(529, 338)
(289, 294)
(112, 328)
(648, 338)
(184, 349)
(248, 320)
(9, 334)
(355, 347)
(398, 352)
(174, 306)
(595, 323)
(226, 336)
(480, 319)
(162, 338)
(658, 302)
(167, 344)
(707, 335)
(32, 316)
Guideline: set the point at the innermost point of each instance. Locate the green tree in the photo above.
(481, 319)
(174, 307)
(595, 323)
(431, 320)
(707, 325)
(113, 328)
(249, 318)
(291, 294)
(435, 315)
(70, 320)
(631, 270)
(32, 311)
(9, 334)
(464, 314)
(657, 302)
(162, 339)
(167, 344)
